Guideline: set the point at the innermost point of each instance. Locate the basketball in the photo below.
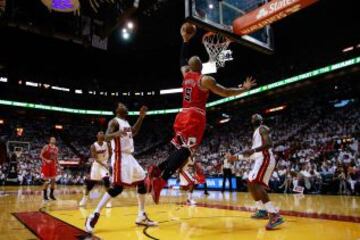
(189, 28)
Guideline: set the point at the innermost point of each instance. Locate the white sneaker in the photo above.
(83, 202)
(109, 204)
(143, 220)
(190, 202)
(91, 221)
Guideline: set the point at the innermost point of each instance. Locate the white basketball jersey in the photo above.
(256, 140)
(126, 142)
(102, 152)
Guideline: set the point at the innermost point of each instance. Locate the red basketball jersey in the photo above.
(51, 153)
(193, 95)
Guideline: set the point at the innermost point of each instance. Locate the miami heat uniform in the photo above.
(98, 172)
(191, 174)
(264, 161)
(190, 122)
(49, 170)
(126, 170)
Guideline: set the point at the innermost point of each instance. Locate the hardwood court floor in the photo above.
(218, 216)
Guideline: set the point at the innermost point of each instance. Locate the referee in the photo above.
(227, 174)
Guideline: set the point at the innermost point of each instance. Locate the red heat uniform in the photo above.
(49, 170)
(190, 122)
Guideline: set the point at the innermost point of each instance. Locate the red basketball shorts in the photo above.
(189, 128)
(48, 170)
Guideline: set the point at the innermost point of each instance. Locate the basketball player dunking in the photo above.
(261, 153)
(126, 170)
(49, 157)
(100, 153)
(190, 123)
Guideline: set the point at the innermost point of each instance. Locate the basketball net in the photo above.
(216, 45)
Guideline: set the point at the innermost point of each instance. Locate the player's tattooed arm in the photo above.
(111, 132)
(42, 155)
(210, 83)
(267, 142)
(137, 125)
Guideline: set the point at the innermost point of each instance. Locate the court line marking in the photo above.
(84, 235)
(25, 225)
(324, 216)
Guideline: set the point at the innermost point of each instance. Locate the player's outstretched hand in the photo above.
(249, 83)
(143, 111)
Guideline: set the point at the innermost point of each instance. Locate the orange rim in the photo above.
(208, 34)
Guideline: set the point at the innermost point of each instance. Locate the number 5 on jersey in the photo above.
(187, 95)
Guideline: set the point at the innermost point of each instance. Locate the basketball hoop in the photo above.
(216, 44)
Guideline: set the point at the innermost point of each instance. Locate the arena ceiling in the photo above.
(35, 43)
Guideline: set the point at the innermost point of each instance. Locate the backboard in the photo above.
(218, 16)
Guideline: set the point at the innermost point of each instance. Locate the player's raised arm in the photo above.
(111, 131)
(137, 125)
(187, 32)
(210, 83)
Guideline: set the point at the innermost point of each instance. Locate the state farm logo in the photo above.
(273, 7)
(262, 13)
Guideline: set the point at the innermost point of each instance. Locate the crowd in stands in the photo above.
(316, 146)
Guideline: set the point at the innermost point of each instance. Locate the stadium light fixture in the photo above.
(125, 35)
(78, 91)
(130, 25)
(275, 109)
(32, 84)
(59, 127)
(3, 79)
(2, 121)
(348, 49)
(225, 120)
(171, 91)
(19, 131)
(57, 88)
